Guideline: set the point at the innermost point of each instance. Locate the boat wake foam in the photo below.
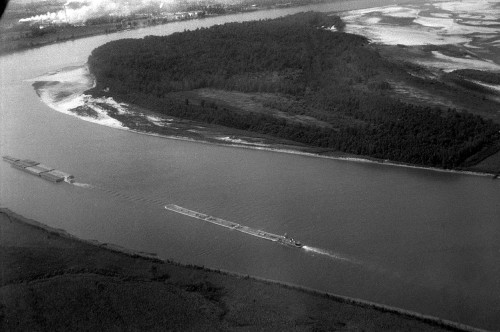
(370, 266)
(81, 185)
(329, 254)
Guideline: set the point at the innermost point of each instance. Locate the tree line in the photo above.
(333, 75)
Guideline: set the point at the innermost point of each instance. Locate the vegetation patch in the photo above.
(85, 111)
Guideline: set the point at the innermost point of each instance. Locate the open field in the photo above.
(52, 281)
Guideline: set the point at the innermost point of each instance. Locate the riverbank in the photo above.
(489, 171)
(66, 91)
(186, 130)
(101, 288)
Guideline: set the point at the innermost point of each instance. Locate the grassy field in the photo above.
(52, 281)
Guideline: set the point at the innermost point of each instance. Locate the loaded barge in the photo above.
(38, 169)
(281, 239)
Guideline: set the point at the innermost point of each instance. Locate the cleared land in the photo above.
(51, 281)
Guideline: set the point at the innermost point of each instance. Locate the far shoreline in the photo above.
(347, 157)
(57, 40)
(295, 150)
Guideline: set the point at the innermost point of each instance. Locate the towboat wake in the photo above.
(329, 254)
(233, 226)
(81, 185)
(156, 202)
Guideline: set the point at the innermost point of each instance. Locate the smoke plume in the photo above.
(76, 11)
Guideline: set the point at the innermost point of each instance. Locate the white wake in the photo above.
(329, 254)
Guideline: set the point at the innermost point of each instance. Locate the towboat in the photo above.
(286, 240)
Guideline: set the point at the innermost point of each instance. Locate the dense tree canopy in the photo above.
(332, 75)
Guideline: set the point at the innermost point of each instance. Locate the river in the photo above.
(417, 239)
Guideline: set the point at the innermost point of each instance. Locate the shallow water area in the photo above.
(472, 24)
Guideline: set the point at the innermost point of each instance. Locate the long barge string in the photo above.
(235, 226)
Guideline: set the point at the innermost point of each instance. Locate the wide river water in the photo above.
(418, 239)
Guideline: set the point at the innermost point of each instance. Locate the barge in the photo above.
(35, 168)
(281, 239)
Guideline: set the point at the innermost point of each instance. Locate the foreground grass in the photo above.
(51, 281)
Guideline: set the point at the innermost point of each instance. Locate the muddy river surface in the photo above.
(421, 240)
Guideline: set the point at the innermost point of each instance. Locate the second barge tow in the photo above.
(281, 239)
(43, 171)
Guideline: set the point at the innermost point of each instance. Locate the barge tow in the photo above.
(281, 239)
(36, 168)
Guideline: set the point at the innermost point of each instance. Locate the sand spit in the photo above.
(63, 91)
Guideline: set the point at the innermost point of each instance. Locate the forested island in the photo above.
(308, 81)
